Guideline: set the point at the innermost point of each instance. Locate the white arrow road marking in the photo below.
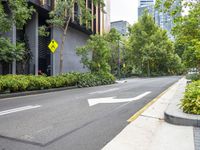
(96, 101)
(106, 91)
(9, 111)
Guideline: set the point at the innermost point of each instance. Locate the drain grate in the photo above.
(197, 138)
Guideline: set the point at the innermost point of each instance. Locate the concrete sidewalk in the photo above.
(150, 132)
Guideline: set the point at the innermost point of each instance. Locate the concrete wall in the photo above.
(32, 35)
(71, 62)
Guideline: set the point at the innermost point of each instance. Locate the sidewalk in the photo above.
(150, 132)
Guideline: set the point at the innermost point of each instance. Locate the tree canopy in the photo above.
(18, 13)
(150, 49)
(13, 13)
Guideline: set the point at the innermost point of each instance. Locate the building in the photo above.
(145, 2)
(77, 35)
(146, 5)
(149, 8)
(121, 26)
(164, 20)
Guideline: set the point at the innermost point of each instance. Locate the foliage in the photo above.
(89, 79)
(191, 101)
(5, 22)
(150, 50)
(114, 38)
(99, 48)
(186, 29)
(20, 12)
(10, 52)
(17, 83)
(187, 34)
(27, 51)
(105, 52)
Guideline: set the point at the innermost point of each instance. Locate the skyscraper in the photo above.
(146, 5)
(146, 2)
(162, 19)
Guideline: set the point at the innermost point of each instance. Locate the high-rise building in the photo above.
(162, 19)
(145, 5)
(121, 26)
(145, 2)
(78, 33)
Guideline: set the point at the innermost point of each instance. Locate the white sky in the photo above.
(124, 10)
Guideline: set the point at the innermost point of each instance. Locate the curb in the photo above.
(174, 115)
(26, 93)
(184, 121)
(137, 114)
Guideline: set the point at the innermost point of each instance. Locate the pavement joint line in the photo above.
(137, 114)
(152, 117)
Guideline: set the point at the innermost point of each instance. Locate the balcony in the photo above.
(45, 4)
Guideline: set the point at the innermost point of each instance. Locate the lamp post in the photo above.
(118, 60)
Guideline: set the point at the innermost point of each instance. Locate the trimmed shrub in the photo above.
(38, 82)
(191, 101)
(14, 83)
(17, 83)
(89, 79)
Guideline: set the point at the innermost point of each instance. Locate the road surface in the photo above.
(77, 119)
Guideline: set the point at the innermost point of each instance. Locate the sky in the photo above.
(124, 10)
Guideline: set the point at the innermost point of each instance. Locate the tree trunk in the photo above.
(63, 46)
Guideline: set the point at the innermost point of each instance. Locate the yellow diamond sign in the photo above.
(53, 45)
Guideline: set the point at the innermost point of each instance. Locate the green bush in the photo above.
(193, 77)
(14, 83)
(191, 101)
(17, 83)
(38, 83)
(89, 79)
(3, 85)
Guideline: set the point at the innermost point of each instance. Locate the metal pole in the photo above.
(118, 60)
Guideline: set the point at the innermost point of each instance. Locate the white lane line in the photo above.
(9, 111)
(106, 91)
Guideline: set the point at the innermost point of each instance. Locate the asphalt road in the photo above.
(65, 121)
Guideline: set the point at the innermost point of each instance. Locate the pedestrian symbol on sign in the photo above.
(53, 45)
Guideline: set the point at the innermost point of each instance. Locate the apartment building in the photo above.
(42, 59)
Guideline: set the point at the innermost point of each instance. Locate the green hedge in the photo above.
(17, 83)
(191, 101)
(88, 79)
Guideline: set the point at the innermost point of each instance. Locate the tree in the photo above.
(114, 39)
(149, 48)
(61, 16)
(105, 52)
(186, 30)
(187, 34)
(10, 52)
(19, 13)
(99, 49)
